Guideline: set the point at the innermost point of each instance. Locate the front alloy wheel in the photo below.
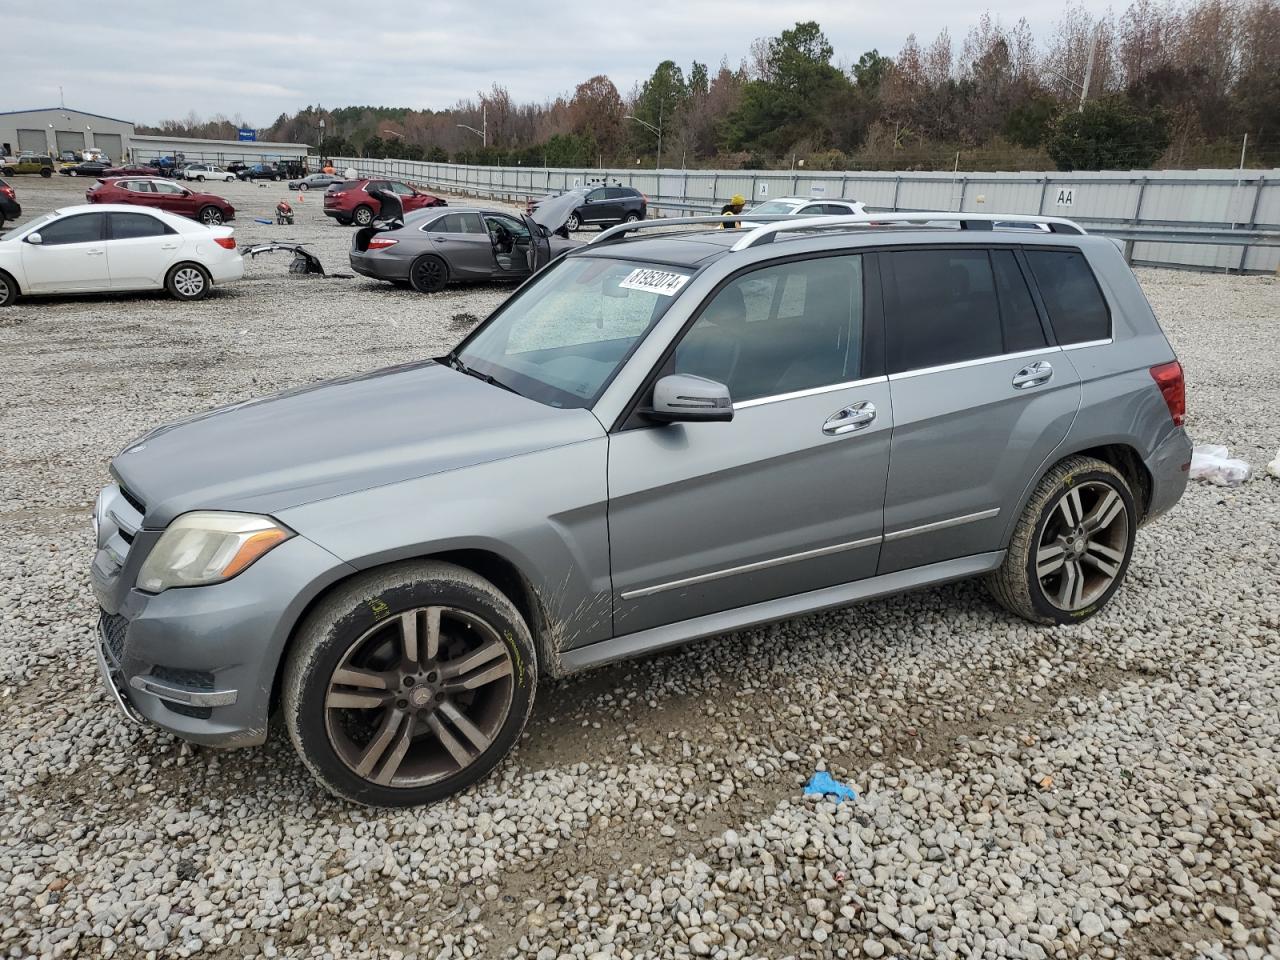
(409, 683)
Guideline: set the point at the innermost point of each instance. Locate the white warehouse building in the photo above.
(55, 129)
(52, 130)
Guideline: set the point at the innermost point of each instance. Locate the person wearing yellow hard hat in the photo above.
(735, 205)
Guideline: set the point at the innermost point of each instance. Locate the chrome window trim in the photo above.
(1105, 341)
(942, 524)
(810, 392)
(979, 361)
(750, 567)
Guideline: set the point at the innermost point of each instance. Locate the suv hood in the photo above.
(321, 441)
(553, 213)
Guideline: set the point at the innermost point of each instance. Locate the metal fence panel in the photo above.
(1173, 201)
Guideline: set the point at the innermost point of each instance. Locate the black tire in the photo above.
(1072, 576)
(72, 173)
(200, 177)
(574, 222)
(8, 290)
(210, 215)
(46, 173)
(303, 186)
(188, 281)
(7, 171)
(428, 274)
(358, 631)
(362, 215)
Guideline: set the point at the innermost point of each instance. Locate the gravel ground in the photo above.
(1106, 790)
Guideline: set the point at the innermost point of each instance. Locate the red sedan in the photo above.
(163, 195)
(350, 202)
(132, 170)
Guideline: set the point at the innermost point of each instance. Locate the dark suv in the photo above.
(605, 206)
(260, 171)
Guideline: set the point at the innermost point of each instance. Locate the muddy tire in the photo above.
(1071, 548)
(408, 684)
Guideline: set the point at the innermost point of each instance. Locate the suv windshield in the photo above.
(562, 338)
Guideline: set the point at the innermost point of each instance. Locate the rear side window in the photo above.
(940, 307)
(1071, 295)
(1021, 323)
(131, 226)
(457, 223)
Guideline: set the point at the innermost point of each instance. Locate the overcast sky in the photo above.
(147, 63)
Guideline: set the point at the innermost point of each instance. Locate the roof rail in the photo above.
(613, 233)
(773, 224)
(967, 221)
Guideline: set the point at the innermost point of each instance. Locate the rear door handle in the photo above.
(851, 418)
(1033, 374)
(95, 253)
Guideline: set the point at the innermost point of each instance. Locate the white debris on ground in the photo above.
(1213, 462)
(1105, 790)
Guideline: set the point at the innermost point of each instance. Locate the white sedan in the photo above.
(803, 207)
(108, 247)
(206, 171)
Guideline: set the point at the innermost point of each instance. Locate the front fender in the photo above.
(545, 513)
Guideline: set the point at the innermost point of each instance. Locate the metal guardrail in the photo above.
(1217, 220)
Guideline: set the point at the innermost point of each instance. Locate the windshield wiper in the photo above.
(453, 360)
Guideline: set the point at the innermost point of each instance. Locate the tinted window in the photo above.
(1076, 307)
(83, 228)
(940, 307)
(789, 327)
(618, 193)
(597, 194)
(1022, 330)
(457, 223)
(130, 226)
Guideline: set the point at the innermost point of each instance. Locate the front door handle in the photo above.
(851, 418)
(1033, 374)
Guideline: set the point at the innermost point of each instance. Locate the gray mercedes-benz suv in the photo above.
(657, 438)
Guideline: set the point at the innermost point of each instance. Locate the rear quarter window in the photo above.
(1077, 310)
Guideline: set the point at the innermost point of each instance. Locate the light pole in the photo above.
(1088, 69)
(652, 129)
(483, 132)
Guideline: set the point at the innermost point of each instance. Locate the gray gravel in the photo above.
(1105, 790)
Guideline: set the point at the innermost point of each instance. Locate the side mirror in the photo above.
(685, 398)
(35, 238)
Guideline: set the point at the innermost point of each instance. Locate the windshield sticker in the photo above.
(654, 281)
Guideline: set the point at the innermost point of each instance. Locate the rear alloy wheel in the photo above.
(631, 217)
(1070, 550)
(409, 684)
(188, 281)
(428, 274)
(362, 215)
(573, 223)
(8, 290)
(210, 216)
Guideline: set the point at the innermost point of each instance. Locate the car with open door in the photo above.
(431, 248)
(105, 248)
(357, 201)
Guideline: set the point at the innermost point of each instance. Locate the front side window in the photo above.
(1077, 310)
(564, 336)
(789, 327)
(776, 207)
(498, 223)
(401, 189)
(82, 228)
(597, 194)
(940, 307)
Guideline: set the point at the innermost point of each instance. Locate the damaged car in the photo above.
(429, 249)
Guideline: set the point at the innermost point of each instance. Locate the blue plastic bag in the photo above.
(822, 784)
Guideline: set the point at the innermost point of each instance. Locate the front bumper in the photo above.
(201, 662)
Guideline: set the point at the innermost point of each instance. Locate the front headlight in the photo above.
(208, 547)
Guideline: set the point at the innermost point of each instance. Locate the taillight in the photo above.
(1168, 377)
(8, 192)
(645, 199)
(226, 243)
(381, 243)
